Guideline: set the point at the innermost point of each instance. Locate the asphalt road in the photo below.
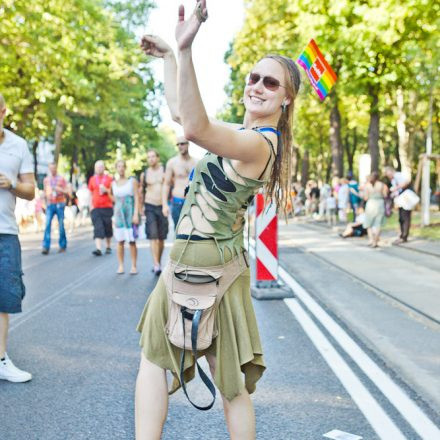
(77, 336)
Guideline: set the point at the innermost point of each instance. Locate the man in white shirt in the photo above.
(399, 183)
(16, 180)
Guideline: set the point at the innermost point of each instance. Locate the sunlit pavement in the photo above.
(77, 336)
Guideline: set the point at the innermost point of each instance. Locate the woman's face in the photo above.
(260, 99)
(120, 168)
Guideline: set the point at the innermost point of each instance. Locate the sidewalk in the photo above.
(388, 297)
(410, 278)
(387, 237)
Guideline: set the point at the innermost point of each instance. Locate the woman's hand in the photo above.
(155, 46)
(186, 30)
(135, 219)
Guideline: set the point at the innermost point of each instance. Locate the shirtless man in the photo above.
(156, 224)
(176, 176)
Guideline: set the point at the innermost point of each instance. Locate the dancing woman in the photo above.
(241, 159)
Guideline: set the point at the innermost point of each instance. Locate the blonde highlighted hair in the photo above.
(279, 184)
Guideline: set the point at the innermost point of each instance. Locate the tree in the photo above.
(386, 56)
(73, 74)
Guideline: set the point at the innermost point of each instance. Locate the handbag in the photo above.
(407, 200)
(388, 207)
(194, 294)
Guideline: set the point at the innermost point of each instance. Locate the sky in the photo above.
(225, 20)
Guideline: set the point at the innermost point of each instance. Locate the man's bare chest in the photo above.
(154, 177)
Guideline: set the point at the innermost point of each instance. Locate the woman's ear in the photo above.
(286, 101)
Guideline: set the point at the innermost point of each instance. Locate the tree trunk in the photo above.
(349, 151)
(305, 168)
(403, 134)
(59, 128)
(295, 160)
(397, 154)
(329, 170)
(335, 141)
(74, 164)
(34, 154)
(321, 162)
(373, 130)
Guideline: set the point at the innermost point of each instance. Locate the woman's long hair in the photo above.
(279, 184)
(374, 177)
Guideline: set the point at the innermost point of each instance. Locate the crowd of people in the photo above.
(113, 204)
(368, 204)
(205, 284)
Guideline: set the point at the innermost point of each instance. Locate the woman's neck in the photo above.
(251, 121)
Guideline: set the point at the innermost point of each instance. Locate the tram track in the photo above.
(417, 313)
(408, 307)
(406, 247)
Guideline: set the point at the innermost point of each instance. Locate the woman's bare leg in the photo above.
(120, 252)
(151, 403)
(239, 412)
(376, 234)
(370, 236)
(133, 252)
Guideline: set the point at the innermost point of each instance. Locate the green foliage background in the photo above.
(76, 66)
(386, 49)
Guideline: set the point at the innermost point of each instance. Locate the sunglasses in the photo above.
(270, 83)
(181, 143)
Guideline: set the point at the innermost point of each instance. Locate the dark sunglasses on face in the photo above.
(270, 83)
(181, 143)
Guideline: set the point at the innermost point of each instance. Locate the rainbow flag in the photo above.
(320, 73)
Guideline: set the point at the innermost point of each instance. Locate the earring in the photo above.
(283, 107)
(241, 100)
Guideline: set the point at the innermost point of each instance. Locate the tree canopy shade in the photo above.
(387, 57)
(72, 72)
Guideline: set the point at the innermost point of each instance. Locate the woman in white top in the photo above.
(126, 216)
(375, 192)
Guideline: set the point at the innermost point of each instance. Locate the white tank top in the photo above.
(123, 190)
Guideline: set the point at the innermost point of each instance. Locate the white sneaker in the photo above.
(8, 371)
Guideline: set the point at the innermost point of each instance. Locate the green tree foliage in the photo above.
(387, 57)
(74, 67)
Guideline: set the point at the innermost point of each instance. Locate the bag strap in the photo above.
(195, 318)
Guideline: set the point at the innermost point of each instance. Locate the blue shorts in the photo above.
(12, 289)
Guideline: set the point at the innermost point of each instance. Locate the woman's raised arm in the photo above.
(156, 47)
(247, 145)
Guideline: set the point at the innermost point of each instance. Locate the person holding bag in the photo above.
(201, 305)
(404, 198)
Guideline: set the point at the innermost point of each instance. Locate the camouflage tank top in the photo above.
(218, 197)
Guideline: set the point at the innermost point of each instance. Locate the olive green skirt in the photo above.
(237, 347)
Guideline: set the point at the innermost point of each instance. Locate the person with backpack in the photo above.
(201, 305)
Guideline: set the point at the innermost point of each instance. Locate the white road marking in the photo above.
(336, 434)
(419, 421)
(373, 412)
